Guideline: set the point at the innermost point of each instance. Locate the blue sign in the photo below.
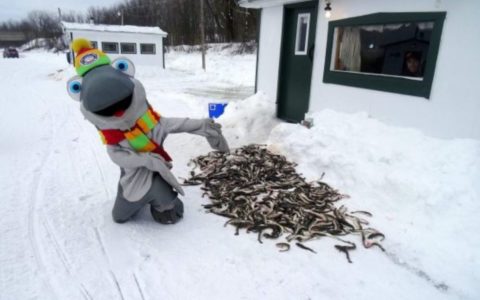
(215, 110)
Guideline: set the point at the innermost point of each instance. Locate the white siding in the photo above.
(121, 37)
(453, 109)
(269, 50)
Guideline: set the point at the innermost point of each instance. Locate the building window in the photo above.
(128, 48)
(94, 44)
(393, 52)
(110, 47)
(301, 40)
(147, 48)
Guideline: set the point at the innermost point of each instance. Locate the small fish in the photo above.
(362, 212)
(305, 247)
(283, 247)
(345, 249)
(261, 192)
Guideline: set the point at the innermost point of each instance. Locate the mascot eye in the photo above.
(74, 87)
(125, 65)
(122, 65)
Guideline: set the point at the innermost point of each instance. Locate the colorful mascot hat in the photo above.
(91, 61)
(87, 57)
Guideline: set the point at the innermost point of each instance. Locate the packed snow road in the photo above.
(58, 240)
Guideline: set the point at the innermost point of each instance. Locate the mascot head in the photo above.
(109, 95)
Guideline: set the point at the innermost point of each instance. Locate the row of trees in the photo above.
(225, 21)
(38, 24)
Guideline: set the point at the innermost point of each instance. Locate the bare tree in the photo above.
(224, 20)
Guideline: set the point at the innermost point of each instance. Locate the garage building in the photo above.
(143, 45)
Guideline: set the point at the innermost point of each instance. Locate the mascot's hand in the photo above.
(215, 138)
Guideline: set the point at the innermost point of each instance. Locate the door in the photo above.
(296, 60)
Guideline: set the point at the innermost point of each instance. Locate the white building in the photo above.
(409, 63)
(143, 45)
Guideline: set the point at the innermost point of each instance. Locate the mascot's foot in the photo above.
(170, 216)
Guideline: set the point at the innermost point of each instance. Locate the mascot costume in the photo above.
(133, 132)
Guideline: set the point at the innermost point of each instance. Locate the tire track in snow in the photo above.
(138, 286)
(108, 195)
(33, 218)
(117, 284)
(85, 291)
(56, 246)
(64, 258)
(32, 207)
(104, 251)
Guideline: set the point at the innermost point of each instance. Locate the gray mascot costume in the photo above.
(115, 102)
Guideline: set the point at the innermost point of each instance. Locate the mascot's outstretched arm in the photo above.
(204, 127)
(133, 132)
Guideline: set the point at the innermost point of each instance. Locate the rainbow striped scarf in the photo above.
(137, 135)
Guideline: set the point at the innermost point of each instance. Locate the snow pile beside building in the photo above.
(218, 65)
(231, 48)
(249, 121)
(423, 191)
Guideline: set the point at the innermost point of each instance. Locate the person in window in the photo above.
(413, 66)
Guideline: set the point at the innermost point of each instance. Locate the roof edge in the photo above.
(265, 3)
(114, 28)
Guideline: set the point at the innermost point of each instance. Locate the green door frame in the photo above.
(305, 4)
(259, 24)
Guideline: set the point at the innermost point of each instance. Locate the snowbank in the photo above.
(230, 48)
(249, 121)
(423, 191)
(220, 64)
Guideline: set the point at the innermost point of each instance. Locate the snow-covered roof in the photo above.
(264, 3)
(114, 28)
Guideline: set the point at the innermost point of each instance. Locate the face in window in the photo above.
(412, 64)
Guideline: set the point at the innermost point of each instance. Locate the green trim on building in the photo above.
(421, 88)
(281, 72)
(259, 18)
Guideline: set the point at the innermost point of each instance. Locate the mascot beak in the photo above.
(107, 91)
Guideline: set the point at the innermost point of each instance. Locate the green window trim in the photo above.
(413, 87)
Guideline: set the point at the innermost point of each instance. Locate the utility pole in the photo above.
(120, 14)
(202, 32)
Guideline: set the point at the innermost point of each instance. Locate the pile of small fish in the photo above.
(261, 192)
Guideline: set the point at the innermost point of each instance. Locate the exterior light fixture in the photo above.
(328, 10)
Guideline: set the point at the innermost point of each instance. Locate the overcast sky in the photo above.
(18, 9)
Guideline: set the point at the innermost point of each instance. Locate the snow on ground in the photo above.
(422, 191)
(58, 240)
